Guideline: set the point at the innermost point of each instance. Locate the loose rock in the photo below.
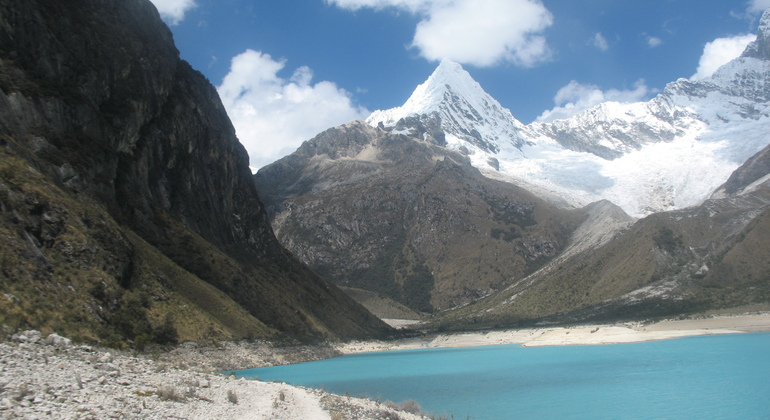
(51, 378)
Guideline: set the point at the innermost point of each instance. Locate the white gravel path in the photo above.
(52, 378)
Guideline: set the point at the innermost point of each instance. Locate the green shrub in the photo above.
(165, 333)
(667, 240)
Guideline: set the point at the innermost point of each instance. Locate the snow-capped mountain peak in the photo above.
(668, 153)
(465, 110)
(448, 79)
(761, 47)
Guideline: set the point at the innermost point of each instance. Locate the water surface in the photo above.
(710, 377)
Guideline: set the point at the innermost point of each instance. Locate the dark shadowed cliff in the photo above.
(127, 209)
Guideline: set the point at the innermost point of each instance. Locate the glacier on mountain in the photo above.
(466, 111)
(668, 153)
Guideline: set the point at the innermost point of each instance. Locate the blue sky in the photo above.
(288, 69)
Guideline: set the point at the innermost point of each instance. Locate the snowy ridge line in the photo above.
(668, 153)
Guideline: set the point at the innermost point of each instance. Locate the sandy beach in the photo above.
(578, 335)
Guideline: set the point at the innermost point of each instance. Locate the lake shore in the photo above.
(52, 377)
(576, 335)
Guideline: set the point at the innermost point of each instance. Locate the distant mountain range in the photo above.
(645, 157)
(451, 206)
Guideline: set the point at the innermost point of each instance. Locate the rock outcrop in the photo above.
(406, 218)
(125, 193)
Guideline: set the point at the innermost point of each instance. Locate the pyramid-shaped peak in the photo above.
(452, 76)
(449, 69)
(449, 65)
(449, 82)
(764, 23)
(448, 87)
(761, 47)
(465, 111)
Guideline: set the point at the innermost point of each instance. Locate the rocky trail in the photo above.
(50, 377)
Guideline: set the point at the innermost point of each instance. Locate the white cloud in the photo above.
(719, 52)
(576, 97)
(272, 115)
(173, 11)
(758, 6)
(477, 32)
(409, 5)
(600, 42)
(653, 41)
(753, 8)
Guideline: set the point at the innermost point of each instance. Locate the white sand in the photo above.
(580, 335)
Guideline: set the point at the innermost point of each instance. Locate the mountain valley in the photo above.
(145, 271)
(129, 215)
(452, 207)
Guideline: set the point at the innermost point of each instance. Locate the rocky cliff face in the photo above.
(404, 217)
(761, 47)
(123, 184)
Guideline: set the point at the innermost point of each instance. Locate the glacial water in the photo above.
(709, 377)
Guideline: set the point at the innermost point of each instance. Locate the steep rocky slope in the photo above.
(407, 218)
(712, 256)
(413, 221)
(127, 209)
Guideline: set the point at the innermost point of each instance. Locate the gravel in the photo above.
(50, 377)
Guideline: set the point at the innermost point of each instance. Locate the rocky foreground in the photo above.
(50, 377)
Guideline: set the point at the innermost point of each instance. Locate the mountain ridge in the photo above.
(661, 206)
(616, 148)
(376, 214)
(127, 210)
(708, 257)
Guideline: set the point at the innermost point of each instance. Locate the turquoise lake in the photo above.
(709, 377)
